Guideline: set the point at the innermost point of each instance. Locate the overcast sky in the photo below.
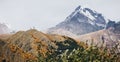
(43, 14)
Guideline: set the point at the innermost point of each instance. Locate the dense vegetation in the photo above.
(83, 53)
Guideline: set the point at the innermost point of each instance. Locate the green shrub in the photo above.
(82, 54)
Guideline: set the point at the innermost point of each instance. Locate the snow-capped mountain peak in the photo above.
(81, 21)
(87, 15)
(85, 12)
(4, 29)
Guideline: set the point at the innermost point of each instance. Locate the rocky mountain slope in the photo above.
(110, 36)
(4, 29)
(25, 46)
(81, 21)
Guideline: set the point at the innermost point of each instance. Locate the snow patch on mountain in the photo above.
(88, 14)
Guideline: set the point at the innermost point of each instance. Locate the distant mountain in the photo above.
(110, 36)
(4, 29)
(81, 21)
(87, 25)
(113, 25)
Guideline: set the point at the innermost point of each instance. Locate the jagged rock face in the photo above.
(27, 45)
(4, 29)
(81, 21)
(114, 26)
(117, 28)
(110, 24)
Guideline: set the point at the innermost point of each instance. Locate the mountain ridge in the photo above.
(27, 45)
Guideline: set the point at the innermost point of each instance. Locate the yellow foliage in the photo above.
(13, 48)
